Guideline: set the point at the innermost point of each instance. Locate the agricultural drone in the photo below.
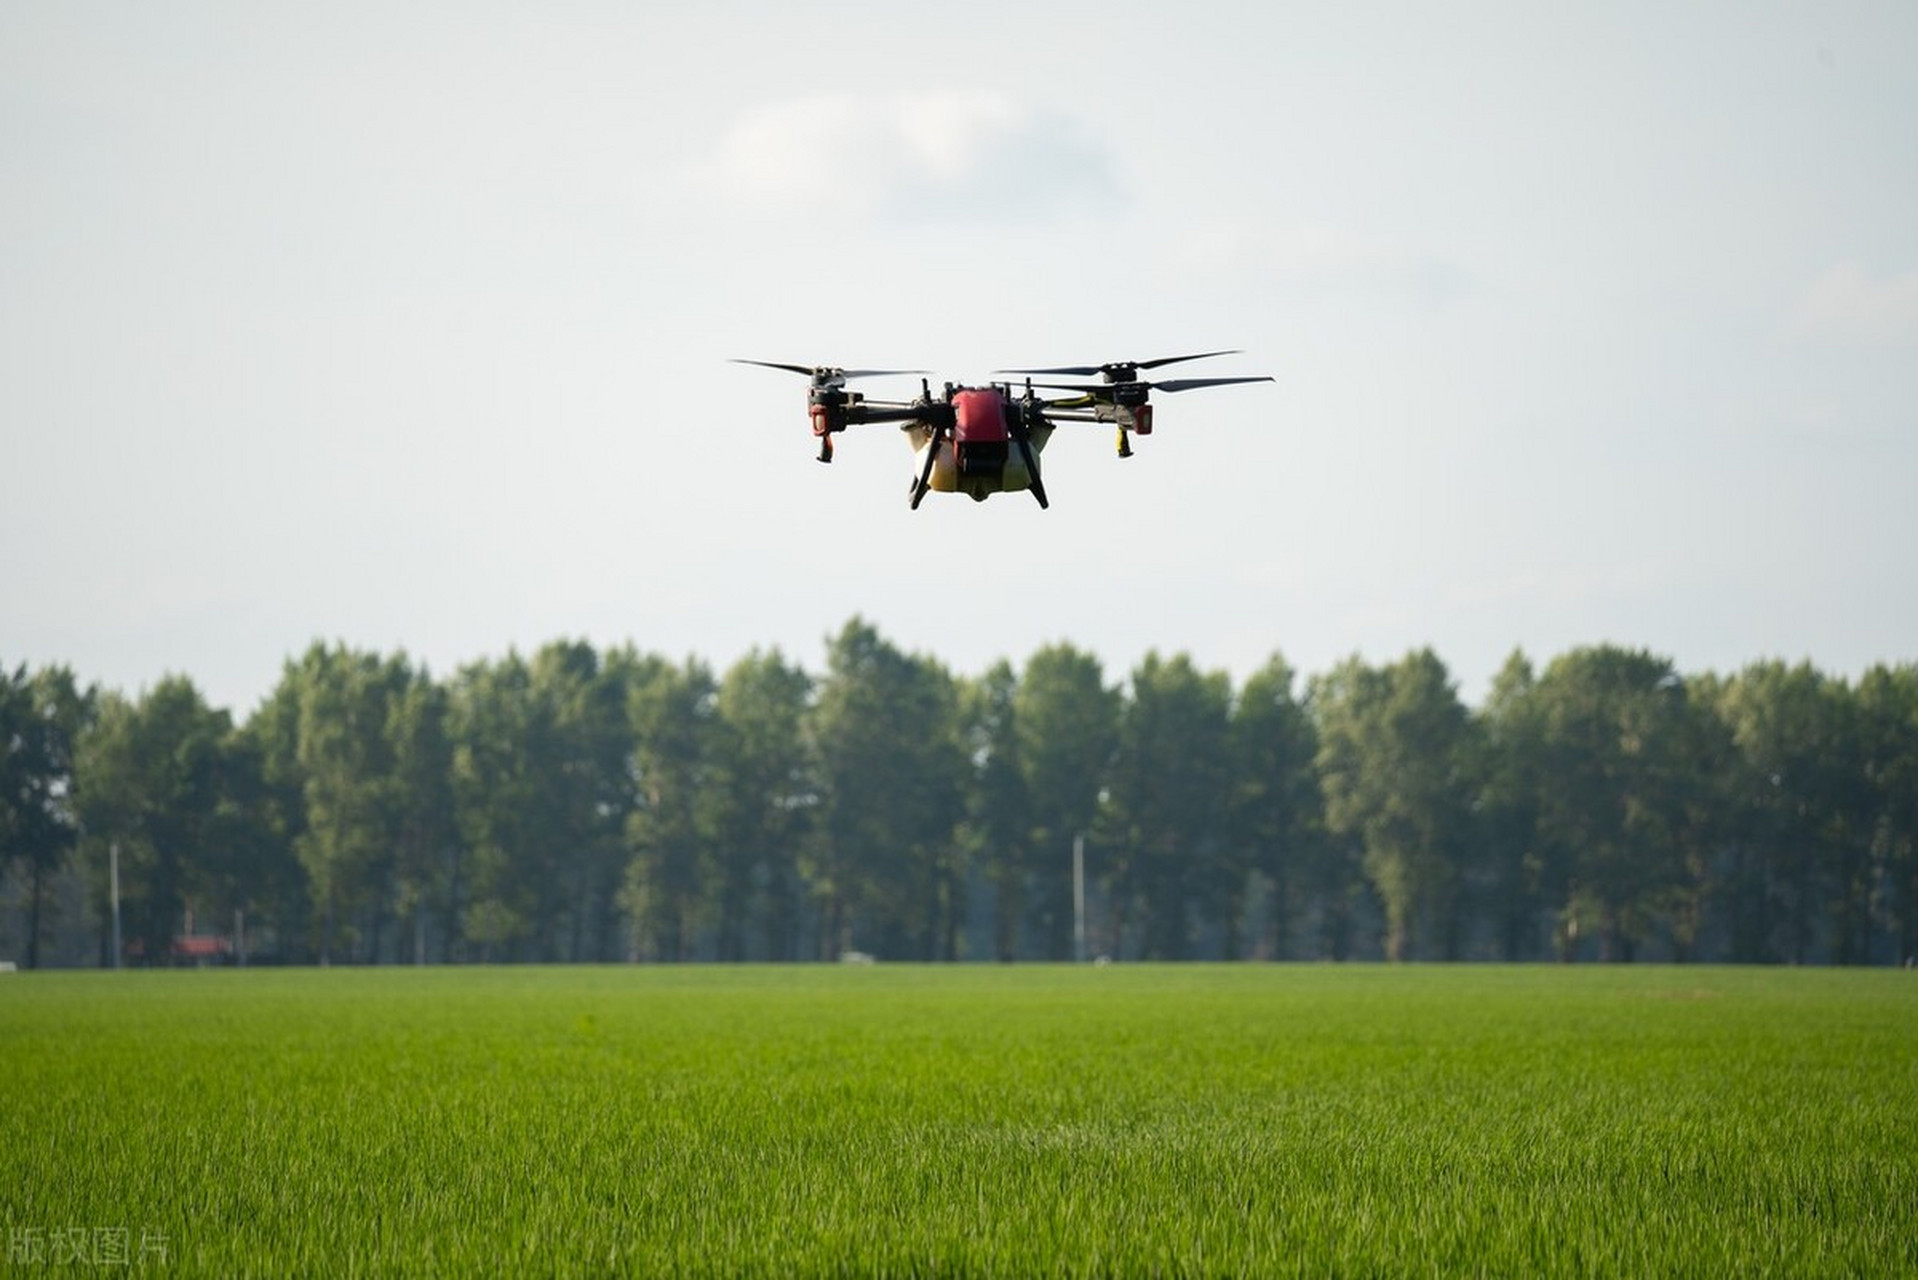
(985, 440)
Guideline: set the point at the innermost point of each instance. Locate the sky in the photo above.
(408, 327)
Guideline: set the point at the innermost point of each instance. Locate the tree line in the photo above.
(600, 805)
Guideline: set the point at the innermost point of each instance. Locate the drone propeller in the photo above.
(823, 375)
(1130, 401)
(1106, 390)
(1120, 370)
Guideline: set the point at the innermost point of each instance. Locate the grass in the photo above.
(1131, 1120)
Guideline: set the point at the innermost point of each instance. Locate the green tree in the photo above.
(278, 888)
(1702, 771)
(885, 865)
(1523, 883)
(1164, 810)
(1275, 813)
(672, 829)
(152, 779)
(1887, 725)
(1066, 726)
(248, 876)
(764, 789)
(542, 790)
(422, 801)
(1617, 744)
(497, 735)
(583, 747)
(42, 715)
(1849, 831)
(349, 785)
(1395, 753)
(1803, 787)
(998, 824)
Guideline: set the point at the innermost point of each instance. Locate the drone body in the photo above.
(988, 449)
(985, 440)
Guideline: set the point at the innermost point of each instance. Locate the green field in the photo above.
(1196, 1120)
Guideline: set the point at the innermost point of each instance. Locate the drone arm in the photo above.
(868, 411)
(1105, 412)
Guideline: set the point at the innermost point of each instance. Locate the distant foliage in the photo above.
(580, 805)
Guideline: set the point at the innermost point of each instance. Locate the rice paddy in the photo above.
(962, 1120)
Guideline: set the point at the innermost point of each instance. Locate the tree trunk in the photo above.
(450, 910)
(326, 930)
(1908, 924)
(1008, 909)
(33, 916)
(1336, 926)
(955, 897)
(832, 942)
(1513, 934)
(1452, 927)
(782, 941)
(1397, 930)
(576, 948)
(1278, 920)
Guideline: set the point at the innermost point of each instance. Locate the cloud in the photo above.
(1848, 305)
(910, 157)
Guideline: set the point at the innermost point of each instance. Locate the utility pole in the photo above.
(113, 889)
(1079, 898)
